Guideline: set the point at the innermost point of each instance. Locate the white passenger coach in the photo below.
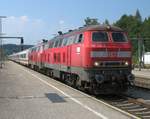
(20, 57)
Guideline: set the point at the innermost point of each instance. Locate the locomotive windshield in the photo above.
(99, 36)
(119, 37)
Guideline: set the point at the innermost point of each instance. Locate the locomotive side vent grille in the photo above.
(111, 64)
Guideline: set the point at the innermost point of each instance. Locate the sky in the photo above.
(41, 19)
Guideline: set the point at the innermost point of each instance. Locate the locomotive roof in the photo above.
(89, 28)
(101, 27)
(92, 28)
(82, 29)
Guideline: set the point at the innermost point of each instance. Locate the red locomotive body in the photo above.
(97, 58)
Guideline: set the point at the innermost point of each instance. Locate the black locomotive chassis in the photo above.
(110, 80)
(101, 80)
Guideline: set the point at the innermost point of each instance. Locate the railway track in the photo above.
(137, 107)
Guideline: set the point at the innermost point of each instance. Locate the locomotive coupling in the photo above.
(99, 78)
(131, 78)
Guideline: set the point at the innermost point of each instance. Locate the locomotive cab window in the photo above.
(119, 37)
(99, 36)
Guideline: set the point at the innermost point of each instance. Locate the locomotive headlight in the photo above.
(96, 64)
(126, 63)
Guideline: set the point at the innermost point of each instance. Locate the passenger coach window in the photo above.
(56, 43)
(38, 49)
(99, 37)
(65, 41)
(79, 38)
(60, 42)
(51, 44)
(46, 46)
(71, 40)
(119, 37)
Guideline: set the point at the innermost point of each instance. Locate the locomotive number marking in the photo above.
(78, 50)
(112, 54)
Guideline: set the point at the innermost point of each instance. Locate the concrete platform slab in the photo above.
(142, 78)
(26, 94)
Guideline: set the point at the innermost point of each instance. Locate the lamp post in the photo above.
(1, 45)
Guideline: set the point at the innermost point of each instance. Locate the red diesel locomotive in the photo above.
(95, 58)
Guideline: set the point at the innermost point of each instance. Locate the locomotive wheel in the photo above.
(51, 74)
(73, 80)
(92, 89)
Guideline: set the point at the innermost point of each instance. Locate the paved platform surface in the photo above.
(142, 78)
(26, 94)
(145, 73)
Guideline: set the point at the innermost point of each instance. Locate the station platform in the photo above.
(142, 78)
(26, 94)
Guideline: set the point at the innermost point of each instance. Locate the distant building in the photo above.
(147, 58)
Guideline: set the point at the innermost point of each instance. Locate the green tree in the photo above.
(106, 22)
(146, 27)
(138, 16)
(133, 25)
(91, 21)
(146, 33)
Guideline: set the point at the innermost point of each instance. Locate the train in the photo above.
(20, 57)
(96, 58)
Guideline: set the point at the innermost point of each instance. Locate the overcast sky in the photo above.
(37, 19)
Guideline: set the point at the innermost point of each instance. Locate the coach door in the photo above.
(76, 51)
(70, 44)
